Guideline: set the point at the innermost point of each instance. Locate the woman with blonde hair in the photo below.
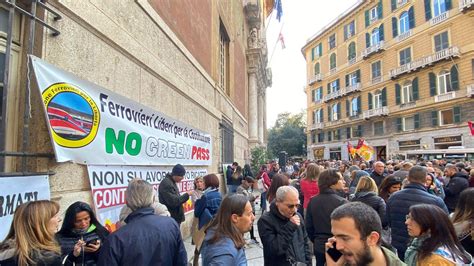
(367, 192)
(31, 239)
(309, 184)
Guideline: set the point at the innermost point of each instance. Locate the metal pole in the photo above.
(26, 117)
(6, 76)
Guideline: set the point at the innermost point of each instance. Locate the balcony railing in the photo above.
(401, 3)
(403, 36)
(452, 51)
(470, 90)
(464, 5)
(445, 96)
(342, 92)
(315, 78)
(333, 71)
(376, 112)
(377, 80)
(352, 61)
(408, 105)
(351, 88)
(332, 95)
(333, 123)
(439, 18)
(316, 126)
(373, 49)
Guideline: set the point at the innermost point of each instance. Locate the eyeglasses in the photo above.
(291, 206)
(408, 216)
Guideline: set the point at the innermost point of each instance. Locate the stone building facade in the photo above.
(203, 63)
(398, 73)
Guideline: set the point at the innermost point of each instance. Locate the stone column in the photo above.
(253, 107)
(261, 126)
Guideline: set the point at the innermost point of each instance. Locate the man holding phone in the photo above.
(357, 231)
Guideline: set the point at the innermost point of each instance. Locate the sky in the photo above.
(301, 20)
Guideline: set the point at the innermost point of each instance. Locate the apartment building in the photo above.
(397, 73)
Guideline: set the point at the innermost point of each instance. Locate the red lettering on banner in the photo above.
(109, 197)
(199, 153)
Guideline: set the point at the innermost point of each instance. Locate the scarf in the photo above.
(411, 254)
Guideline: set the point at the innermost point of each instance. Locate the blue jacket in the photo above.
(206, 207)
(398, 206)
(223, 252)
(146, 239)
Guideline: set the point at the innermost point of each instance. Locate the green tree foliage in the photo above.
(288, 135)
(259, 157)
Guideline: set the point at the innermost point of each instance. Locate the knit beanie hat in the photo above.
(178, 170)
(361, 173)
(353, 168)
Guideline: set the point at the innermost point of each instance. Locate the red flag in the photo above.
(360, 143)
(282, 40)
(471, 127)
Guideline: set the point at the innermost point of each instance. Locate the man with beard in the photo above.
(357, 236)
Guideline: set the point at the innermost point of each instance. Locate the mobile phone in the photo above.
(334, 253)
(91, 242)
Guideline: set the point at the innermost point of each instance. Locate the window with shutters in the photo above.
(351, 51)
(407, 92)
(313, 137)
(317, 69)
(332, 61)
(352, 78)
(377, 99)
(441, 41)
(317, 94)
(9, 118)
(332, 41)
(224, 59)
(376, 70)
(317, 116)
(439, 7)
(373, 15)
(333, 86)
(405, 56)
(408, 123)
(375, 37)
(404, 23)
(446, 117)
(444, 82)
(317, 50)
(349, 30)
(334, 112)
(354, 106)
(378, 128)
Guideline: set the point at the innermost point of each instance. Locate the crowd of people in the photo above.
(338, 213)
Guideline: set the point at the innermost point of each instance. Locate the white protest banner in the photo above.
(16, 190)
(108, 185)
(92, 125)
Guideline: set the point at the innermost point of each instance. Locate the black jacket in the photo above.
(453, 189)
(282, 239)
(168, 193)
(398, 206)
(68, 240)
(378, 178)
(146, 239)
(373, 200)
(318, 217)
(41, 257)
